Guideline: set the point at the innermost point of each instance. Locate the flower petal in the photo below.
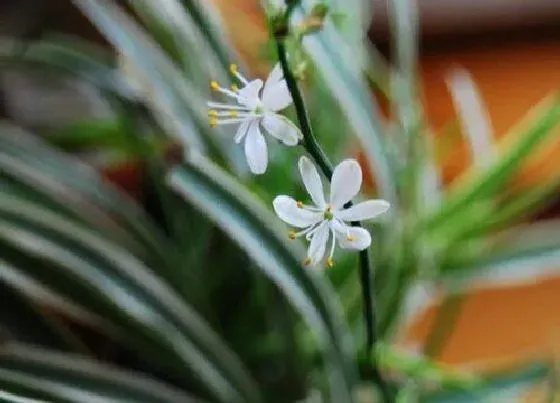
(312, 181)
(276, 97)
(249, 95)
(287, 210)
(280, 127)
(346, 182)
(255, 149)
(363, 211)
(274, 77)
(356, 239)
(318, 243)
(242, 130)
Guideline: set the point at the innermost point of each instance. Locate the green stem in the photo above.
(312, 146)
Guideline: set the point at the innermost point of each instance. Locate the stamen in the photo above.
(214, 85)
(330, 261)
(231, 113)
(350, 238)
(235, 72)
(213, 122)
(299, 204)
(306, 261)
(234, 88)
(222, 106)
(230, 121)
(307, 231)
(292, 235)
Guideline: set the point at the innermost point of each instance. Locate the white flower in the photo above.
(329, 219)
(255, 108)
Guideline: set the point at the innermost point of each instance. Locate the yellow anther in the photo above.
(233, 68)
(214, 85)
(330, 262)
(350, 238)
(307, 261)
(292, 235)
(233, 114)
(212, 113)
(213, 122)
(234, 88)
(299, 204)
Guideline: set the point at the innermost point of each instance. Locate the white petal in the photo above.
(249, 95)
(276, 97)
(363, 211)
(280, 127)
(312, 181)
(275, 75)
(346, 182)
(242, 130)
(287, 210)
(318, 244)
(356, 239)
(255, 149)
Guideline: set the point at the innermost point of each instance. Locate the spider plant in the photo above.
(191, 291)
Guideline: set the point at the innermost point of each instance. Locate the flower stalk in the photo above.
(313, 148)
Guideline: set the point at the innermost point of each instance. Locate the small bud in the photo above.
(320, 10)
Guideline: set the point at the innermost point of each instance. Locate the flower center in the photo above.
(328, 215)
(259, 110)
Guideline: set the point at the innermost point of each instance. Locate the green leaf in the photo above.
(481, 184)
(38, 373)
(71, 186)
(343, 75)
(249, 225)
(102, 277)
(25, 322)
(531, 252)
(176, 102)
(75, 57)
(498, 388)
(420, 369)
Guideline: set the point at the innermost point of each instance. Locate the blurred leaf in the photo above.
(168, 85)
(480, 184)
(68, 185)
(102, 277)
(37, 373)
(421, 370)
(249, 224)
(25, 322)
(500, 388)
(476, 125)
(531, 253)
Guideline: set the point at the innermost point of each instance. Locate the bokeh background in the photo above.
(511, 51)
